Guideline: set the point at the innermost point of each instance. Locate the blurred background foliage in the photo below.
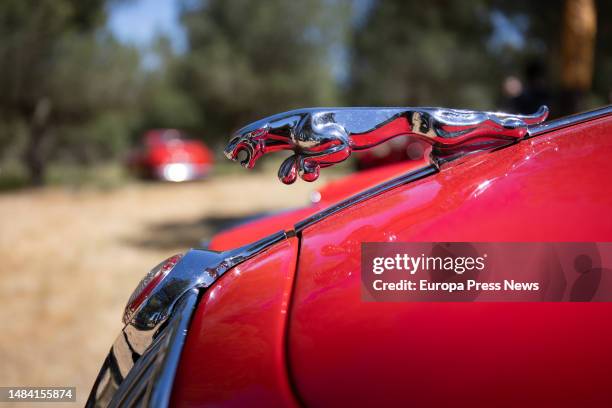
(74, 94)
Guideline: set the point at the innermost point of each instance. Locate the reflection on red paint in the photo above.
(347, 352)
(234, 354)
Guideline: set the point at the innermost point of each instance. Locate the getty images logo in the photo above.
(412, 264)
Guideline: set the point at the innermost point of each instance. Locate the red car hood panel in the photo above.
(234, 354)
(346, 352)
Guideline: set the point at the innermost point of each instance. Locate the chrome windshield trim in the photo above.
(566, 121)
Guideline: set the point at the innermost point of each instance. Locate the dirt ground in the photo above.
(70, 260)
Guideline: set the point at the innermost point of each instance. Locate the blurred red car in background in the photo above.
(166, 154)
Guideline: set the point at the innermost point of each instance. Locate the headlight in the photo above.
(141, 365)
(147, 284)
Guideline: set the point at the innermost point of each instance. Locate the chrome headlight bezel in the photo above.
(142, 363)
(146, 285)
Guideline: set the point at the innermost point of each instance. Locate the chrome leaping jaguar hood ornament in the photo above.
(321, 137)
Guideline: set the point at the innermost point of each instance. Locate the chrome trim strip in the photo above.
(164, 378)
(366, 194)
(566, 121)
(149, 379)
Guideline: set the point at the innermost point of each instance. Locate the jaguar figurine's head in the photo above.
(321, 137)
(271, 134)
(246, 148)
(314, 136)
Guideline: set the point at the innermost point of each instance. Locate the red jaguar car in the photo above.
(282, 321)
(167, 154)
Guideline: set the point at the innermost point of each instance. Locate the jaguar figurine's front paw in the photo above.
(295, 166)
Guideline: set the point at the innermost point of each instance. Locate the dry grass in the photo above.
(70, 259)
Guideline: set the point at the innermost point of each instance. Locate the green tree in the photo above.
(546, 38)
(164, 104)
(410, 52)
(63, 79)
(248, 59)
